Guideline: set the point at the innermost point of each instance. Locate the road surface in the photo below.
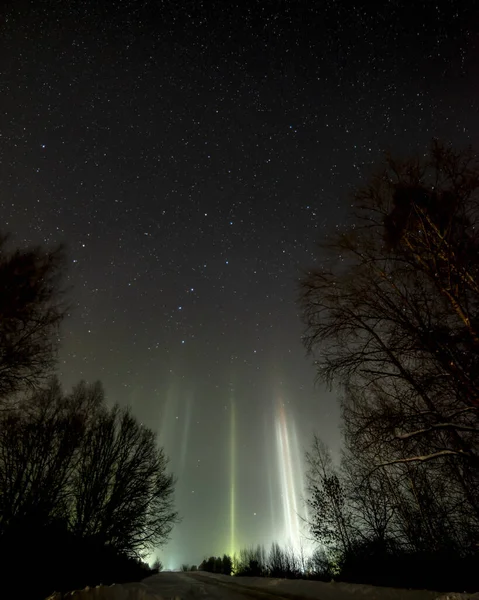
(205, 586)
(189, 586)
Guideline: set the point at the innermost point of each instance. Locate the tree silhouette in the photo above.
(227, 565)
(31, 309)
(392, 317)
(400, 318)
(157, 566)
(218, 568)
(216, 564)
(330, 521)
(39, 447)
(84, 482)
(121, 493)
(210, 564)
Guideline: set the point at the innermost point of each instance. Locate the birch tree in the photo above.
(392, 314)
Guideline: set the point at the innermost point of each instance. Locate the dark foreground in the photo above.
(191, 586)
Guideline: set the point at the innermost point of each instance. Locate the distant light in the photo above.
(182, 341)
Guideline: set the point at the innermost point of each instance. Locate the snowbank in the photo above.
(329, 591)
(459, 597)
(285, 588)
(125, 591)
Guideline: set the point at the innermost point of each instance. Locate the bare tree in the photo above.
(38, 451)
(330, 519)
(397, 316)
(72, 460)
(392, 316)
(122, 494)
(408, 506)
(372, 506)
(157, 566)
(31, 309)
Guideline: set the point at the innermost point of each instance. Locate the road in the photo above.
(205, 586)
(189, 586)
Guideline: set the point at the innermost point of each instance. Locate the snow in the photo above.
(331, 591)
(192, 585)
(126, 591)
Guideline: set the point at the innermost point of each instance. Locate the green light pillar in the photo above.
(232, 477)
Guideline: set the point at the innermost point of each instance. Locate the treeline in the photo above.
(284, 563)
(392, 318)
(279, 562)
(84, 487)
(217, 564)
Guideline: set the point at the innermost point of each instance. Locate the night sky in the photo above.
(191, 155)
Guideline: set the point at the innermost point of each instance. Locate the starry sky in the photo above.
(191, 154)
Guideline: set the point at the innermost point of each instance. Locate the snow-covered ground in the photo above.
(125, 591)
(205, 586)
(328, 591)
